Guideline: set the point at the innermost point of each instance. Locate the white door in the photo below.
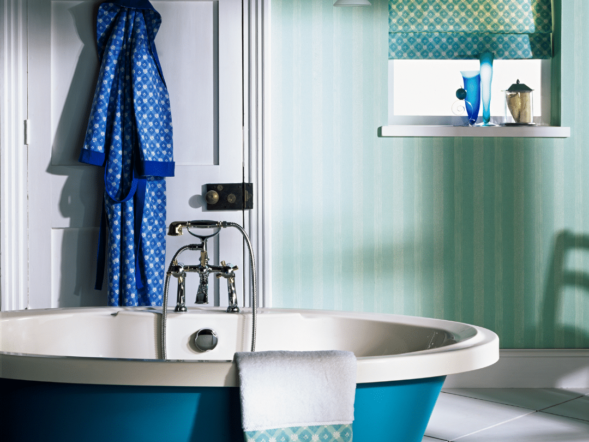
(200, 50)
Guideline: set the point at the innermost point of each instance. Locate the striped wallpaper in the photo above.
(493, 232)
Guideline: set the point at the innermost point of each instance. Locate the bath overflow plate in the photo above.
(206, 339)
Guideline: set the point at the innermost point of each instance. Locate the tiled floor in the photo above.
(510, 415)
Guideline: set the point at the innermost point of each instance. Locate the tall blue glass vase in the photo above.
(472, 85)
(486, 81)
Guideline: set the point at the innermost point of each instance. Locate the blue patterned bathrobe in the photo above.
(130, 134)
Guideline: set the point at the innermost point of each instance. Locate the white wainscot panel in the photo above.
(185, 193)
(74, 72)
(185, 46)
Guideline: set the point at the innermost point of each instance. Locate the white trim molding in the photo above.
(417, 130)
(529, 369)
(257, 86)
(13, 155)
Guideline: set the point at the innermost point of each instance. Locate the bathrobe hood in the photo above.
(129, 65)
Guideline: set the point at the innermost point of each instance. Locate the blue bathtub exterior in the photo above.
(42, 411)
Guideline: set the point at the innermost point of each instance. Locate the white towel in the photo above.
(282, 389)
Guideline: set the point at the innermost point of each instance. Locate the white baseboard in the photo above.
(529, 369)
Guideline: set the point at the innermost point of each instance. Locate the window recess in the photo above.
(430, 42)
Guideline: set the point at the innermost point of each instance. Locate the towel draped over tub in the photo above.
(301, 396)
(130, 134)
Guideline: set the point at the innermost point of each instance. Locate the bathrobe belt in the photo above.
(137, 192)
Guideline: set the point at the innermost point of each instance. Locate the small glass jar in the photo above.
(519, 105)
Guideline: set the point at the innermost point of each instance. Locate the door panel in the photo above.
(65, 196)
(74, 71)
(189, 68)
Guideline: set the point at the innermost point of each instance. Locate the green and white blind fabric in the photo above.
(464, 29)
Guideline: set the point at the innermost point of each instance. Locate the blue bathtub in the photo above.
(44, 411)
(94, 374)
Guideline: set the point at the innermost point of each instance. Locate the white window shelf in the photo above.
(467, 131)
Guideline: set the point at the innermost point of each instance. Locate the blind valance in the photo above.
(464, 29)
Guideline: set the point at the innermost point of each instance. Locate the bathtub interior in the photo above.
(134, 333)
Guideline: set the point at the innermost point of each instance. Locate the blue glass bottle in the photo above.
(472, 84)
(486, 80)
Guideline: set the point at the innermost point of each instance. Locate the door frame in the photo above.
(14, 197)
(258, 138)
(14, 260)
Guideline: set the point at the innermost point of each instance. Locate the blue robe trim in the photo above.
(156, 168)
(91, 157)
(139, 208)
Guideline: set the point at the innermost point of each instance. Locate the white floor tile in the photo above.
(457, 416)
(583, 391)
(431, 439)
(536, 427)
(530, 398)
(577, 408)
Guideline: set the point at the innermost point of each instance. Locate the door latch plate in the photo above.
(230, 196)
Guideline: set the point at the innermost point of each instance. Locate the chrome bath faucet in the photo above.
(204, 270)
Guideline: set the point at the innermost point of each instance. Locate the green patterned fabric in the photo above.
(324, 433)
(463, 29)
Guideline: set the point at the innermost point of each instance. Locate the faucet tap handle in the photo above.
(181, 297)
(228, 271)
(229, 274)
(229, 266)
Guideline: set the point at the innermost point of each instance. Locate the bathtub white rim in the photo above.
(474, 353)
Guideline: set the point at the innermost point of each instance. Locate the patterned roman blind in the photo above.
(463, 29)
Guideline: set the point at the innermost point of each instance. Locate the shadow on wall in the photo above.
(80, 200)
(562, 274)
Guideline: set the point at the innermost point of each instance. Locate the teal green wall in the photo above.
(493, 232)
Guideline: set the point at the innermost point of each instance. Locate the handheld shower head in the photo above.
(175, 228)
